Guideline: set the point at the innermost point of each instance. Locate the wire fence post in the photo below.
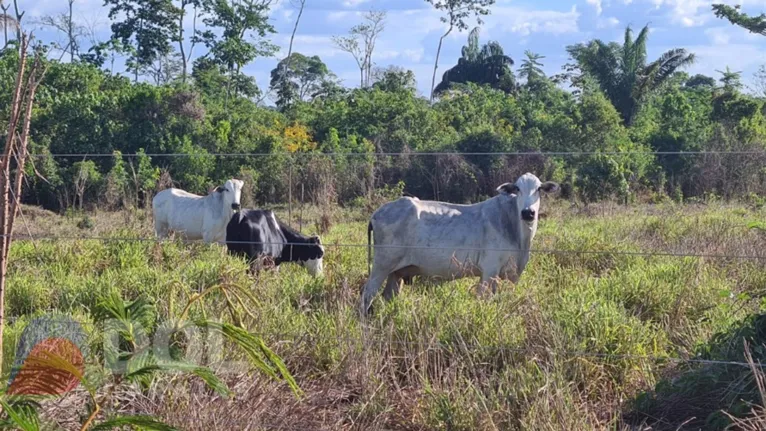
(290, 192)
(300, 216)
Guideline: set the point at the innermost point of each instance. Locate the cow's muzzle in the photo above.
(528, 215)
(236, 207)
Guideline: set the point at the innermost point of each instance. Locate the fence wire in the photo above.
(399, 246)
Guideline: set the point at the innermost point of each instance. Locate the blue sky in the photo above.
(546, 27)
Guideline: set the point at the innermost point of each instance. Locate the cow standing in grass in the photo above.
(257, 234)
(196, 217)
(490, 239)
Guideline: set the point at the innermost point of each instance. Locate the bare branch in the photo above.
(360, 43)
(292, 37)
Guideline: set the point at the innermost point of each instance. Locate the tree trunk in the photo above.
(8, 209)
(5, 24)
(70, 29)
(286, 66)
(181, 41)
(436, 62)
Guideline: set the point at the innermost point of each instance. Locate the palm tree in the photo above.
(622, 72)
(486, 65)
(731, 80)
(531, 68)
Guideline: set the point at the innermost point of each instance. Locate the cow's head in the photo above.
(527, 190)
(231, 192)
(315, 257)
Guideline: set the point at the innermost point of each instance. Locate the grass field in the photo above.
(584, 341)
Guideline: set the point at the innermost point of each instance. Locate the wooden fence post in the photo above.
(15, 149)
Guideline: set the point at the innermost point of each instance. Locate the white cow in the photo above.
(197, 217)
(490, 239)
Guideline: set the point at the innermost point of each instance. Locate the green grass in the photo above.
(438, 357)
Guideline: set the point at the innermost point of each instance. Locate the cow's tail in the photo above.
(369, 248)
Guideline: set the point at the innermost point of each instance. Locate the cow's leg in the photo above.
(207, 237)
(370, 289)
(488, 279)
(160, 229)
(393, 284)
(210, 237)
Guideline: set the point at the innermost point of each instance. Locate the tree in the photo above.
(457, 12)
(195, 4)
(622, 72)
(116, 181)
(64, 22)
(84, 175)
(531, 68)
(700, 81)
(239, 21)
(149, 25)
(394, 78)
(753, 24)
(367, 33)
(145, 177)
(329, 90)
(165, 69)
(11, 21)
(760, 81)
(6, 20)
(486, 66)
(298, 77)
(99, 52)
(286, 65)
(732, 81)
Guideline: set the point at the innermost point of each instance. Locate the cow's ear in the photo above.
(549, 187)
(219, 189)
(316, 240)
(508, 189)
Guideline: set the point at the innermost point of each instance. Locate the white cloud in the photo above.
(385, 54)
(610, 22)
(354, 3)
(414, 55)
(525, 22)
(718, 35)
(320, 45)
(736, 56)
(336, 16)
(695, 13)
(596, 4)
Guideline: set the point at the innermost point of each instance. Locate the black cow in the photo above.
(257, 234)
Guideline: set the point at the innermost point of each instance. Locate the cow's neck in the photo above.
(291, 252)
(223, 215)
(218, 209)
(517, 234)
